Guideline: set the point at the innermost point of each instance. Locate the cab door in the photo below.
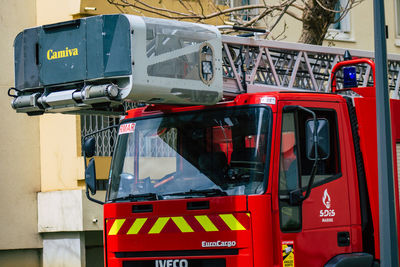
(314, 230)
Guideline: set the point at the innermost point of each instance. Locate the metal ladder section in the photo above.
(273, 65)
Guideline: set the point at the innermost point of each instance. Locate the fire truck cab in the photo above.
(238, 184)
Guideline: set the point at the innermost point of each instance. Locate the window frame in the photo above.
(345, 31)
(335, 128)
(231, 3)
(284, 203)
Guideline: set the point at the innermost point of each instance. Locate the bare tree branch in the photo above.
(298, 6)
(282, 13)
(219, 10)
(201, 7)
(315, 15)
(190, 10)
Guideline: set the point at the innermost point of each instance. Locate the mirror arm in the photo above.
(312, 177)
(296, 197)
(87, 188)
(92, 199)
(314, 169)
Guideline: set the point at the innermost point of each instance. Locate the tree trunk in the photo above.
(316, 21)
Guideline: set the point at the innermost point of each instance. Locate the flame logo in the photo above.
(326, 199)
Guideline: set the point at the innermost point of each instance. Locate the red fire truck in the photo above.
(274, 177)
(240, 185)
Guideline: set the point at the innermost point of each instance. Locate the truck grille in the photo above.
(181, 253)
(177, 263)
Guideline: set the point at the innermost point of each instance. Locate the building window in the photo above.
(241, 15)
(341, 28)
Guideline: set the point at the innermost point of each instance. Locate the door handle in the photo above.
(343, 239)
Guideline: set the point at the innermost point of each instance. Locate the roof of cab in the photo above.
(242, 99)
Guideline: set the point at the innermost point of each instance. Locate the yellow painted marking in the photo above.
(232, 222)
(206, 223)
(182, 224)
(248, 214)
(136, 226)
(116, 226)
(159, 225)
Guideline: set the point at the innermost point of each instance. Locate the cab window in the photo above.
(295, 165)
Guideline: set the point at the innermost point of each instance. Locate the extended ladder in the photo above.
(273, 65)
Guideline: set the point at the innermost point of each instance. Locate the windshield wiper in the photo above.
(205, 192)
(132, 197)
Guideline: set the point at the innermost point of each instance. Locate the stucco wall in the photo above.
(25, 257)
(61, 165)
(19, 146)
(51, 11)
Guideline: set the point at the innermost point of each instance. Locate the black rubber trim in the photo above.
(177, 253)
(365, 208)
(239, 28)
(63, 24)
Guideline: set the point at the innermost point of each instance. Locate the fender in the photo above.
(352, 259)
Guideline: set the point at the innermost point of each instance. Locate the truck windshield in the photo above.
(195, 154)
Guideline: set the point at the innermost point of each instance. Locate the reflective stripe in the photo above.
(232, 222)
(182, 224)
(136, 226)
(116, 226)
(159, 225)
(186, 224)
(206, 223)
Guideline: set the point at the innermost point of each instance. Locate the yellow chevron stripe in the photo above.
(159, 225)
(136, 226)
(232, 222)
(182, 224)
(206, 223)
(116, 226)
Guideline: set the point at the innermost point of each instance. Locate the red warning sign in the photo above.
(127, 128)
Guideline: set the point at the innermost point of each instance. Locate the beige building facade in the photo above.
(47, 220)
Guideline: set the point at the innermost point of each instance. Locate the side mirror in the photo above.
(90, 177)
(323, 142)
(89, 147)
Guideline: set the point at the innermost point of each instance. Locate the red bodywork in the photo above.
(170, 233)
